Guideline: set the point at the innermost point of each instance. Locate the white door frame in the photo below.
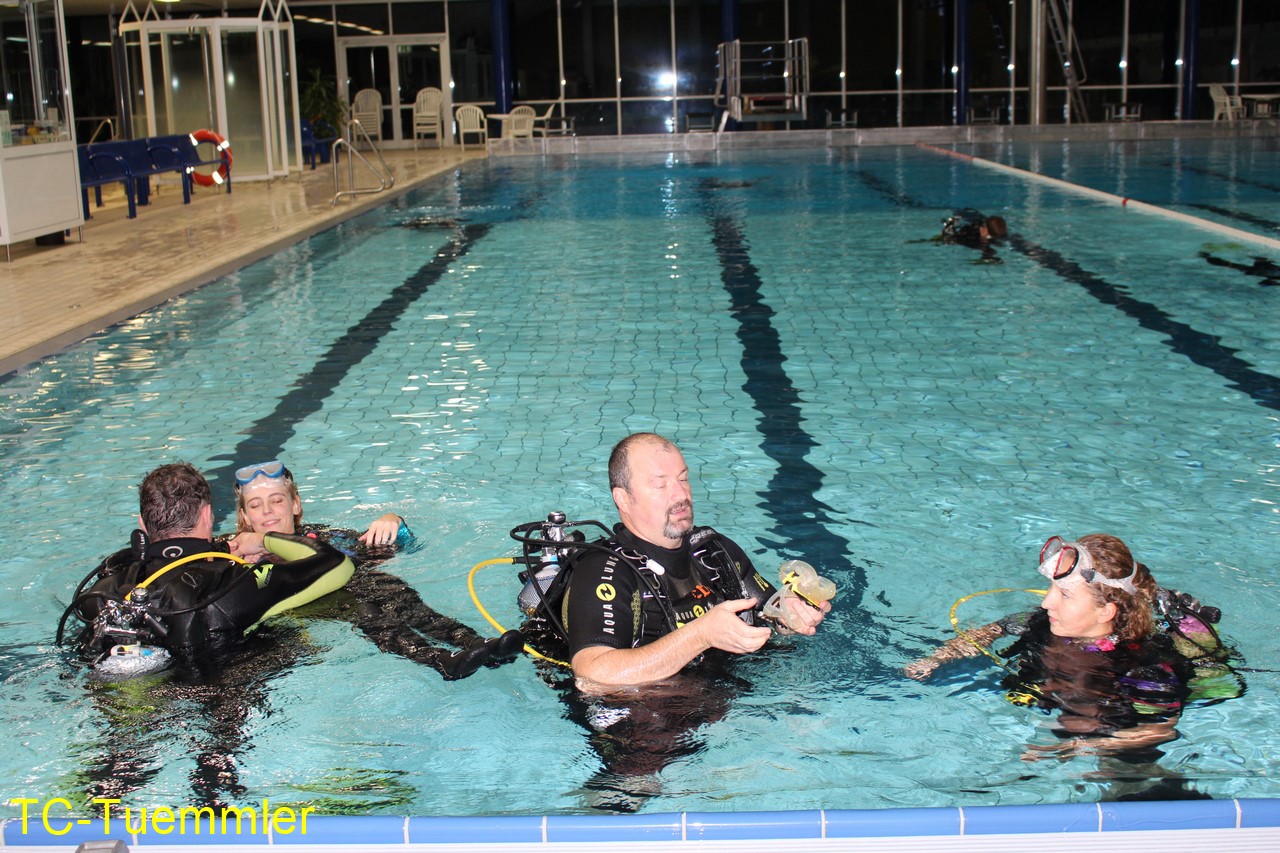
(391, 43)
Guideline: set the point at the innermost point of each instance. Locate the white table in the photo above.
(1263, 104)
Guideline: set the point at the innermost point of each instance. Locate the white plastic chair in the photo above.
(426, 115)
(520, 124)
(547, 123)
(471, 119)
(367, 109)
(1224, 105)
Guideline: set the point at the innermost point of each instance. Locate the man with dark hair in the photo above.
(670, 591)
(176, 593)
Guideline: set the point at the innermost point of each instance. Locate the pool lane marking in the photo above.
(1227, 212)
(266, 438)
(1199, 347)
(790, 496)
(1127, 203)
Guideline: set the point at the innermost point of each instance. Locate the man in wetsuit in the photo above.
(975, 230)
(197, 609)
(670, 591)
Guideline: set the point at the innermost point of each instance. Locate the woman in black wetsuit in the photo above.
(1095, 652)
(386, 609)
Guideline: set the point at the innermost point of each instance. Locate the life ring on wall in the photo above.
(219, 175)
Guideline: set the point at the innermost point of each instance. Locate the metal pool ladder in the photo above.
(356, 132)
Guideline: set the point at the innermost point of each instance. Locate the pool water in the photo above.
(911, 422)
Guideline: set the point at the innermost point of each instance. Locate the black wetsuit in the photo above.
(965, 229)
(1100, 686)
(395, 618)
(203, 607)
(612, 603)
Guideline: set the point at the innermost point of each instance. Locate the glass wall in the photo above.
(650, 66)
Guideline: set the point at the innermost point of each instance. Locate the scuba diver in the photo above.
(1262, 268)
(1116, 656)
(386, 609)
(971, 228)
(174, 597)
(164, 628)
(649, 618)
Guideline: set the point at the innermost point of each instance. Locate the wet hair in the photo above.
(619, 463)
(996, 227)
(170, 499)
(242, 520)
(1111, 557)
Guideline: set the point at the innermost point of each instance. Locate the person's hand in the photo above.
(383, 531)
(726, 631)
(802, 617)
(248, 546)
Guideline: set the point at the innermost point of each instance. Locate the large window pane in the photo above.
(926, 62)
(819, 22)
(1099, 28)
(426, 16)
(369, 19)
(872, 45)
(471, 56)
(590, 68)
(697, 36)
(1260, 43)
(645, 49)
(313, 30)
(535, 56)
(762, 20)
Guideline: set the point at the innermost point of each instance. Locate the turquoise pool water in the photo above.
(911, 422)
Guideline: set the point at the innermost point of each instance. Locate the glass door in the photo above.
(397, 66)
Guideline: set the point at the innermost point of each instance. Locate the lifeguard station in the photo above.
(763, 81)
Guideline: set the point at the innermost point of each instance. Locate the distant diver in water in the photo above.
(1263, 268)
(971, 228)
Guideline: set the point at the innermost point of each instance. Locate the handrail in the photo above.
(386, 179)
(106, 122)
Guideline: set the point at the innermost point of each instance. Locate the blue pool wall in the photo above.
(1225, 816)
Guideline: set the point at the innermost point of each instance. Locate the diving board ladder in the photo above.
(1064, 41)
(764, 80)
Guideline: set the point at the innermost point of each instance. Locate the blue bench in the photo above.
(148, 157)
(132, 162)
(100, 167)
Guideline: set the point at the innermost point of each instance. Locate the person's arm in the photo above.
(719, 628)
(383, 531)
(1137, 737)
(968, 644)
(248, 546)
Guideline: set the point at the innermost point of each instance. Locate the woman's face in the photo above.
(1074, 611)
(269, 507)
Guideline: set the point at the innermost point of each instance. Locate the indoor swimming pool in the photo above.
(910, 420)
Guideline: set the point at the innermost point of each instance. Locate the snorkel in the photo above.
(797, 579)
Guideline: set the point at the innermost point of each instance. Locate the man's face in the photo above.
(658, 506)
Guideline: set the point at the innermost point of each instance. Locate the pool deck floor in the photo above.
(55, 296)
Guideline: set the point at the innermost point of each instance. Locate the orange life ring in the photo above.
(219, 175)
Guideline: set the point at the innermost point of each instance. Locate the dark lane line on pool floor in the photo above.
(266, 438)
(1199, 347)
(790, 496)
(1269, 226)
(1222, 176)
